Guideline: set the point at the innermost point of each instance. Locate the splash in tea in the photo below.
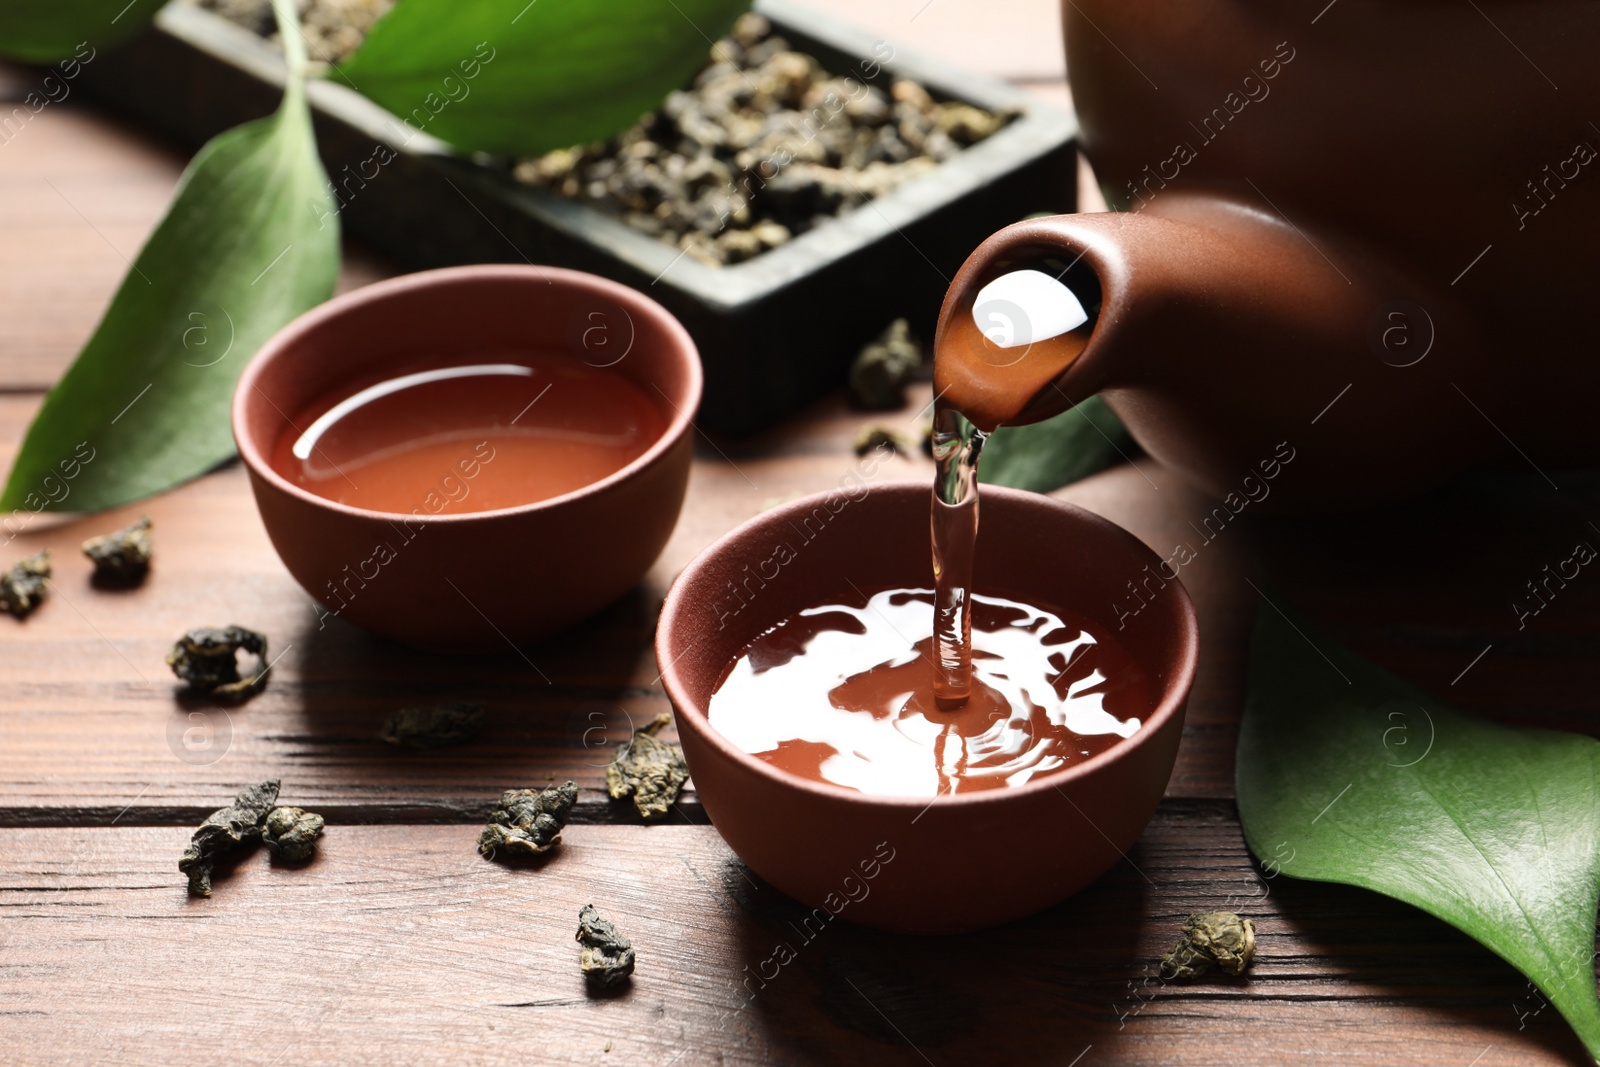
(843, 693)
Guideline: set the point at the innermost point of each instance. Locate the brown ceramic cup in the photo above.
(965, 861)
(472, 581)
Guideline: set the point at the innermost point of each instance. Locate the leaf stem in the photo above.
(294, 43)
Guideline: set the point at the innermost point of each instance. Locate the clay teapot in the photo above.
(1364, 235)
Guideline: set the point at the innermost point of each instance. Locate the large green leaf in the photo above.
(520, 77)
(1047, 455)
(1347, 774)
(249, 242)
(43, 31)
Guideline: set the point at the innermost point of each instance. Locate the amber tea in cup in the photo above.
(498, 430)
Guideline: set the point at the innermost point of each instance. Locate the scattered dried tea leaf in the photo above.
(528, 821)
(291, 833)
(225, 830)
(123, 556)
(23, 586)
(205, 658)
(1211, 939)
(606, 957)
(875, 437)
(650, 771)
(433, 727)
(884, 368)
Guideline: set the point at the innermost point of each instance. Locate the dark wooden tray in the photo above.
(774, 331)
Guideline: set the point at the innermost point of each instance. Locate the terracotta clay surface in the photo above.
(472, 581)
(1368, 225)
(962, 862)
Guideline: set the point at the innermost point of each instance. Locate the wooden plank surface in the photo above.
(399, 944)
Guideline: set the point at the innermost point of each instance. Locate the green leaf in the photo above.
(1348, 774)
(522, 77)
(1047, 455)
(249, 242)
(43, 31)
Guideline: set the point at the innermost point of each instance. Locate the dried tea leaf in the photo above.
(291, 833)
(227, 829)
(205, 658)
(528, 821)
(876, 436)
(883, 369)
(650, 771)
(23, 586)
(1217, 940)
(123, 556)
(433, 727)
(606, 957)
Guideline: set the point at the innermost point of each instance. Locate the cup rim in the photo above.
(401, 286)
(1173, 697)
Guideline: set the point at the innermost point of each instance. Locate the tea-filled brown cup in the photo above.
(471, 581)
(962, 861)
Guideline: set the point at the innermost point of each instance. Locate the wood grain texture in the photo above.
(399, 944)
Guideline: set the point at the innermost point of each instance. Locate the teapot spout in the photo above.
(1226, 338)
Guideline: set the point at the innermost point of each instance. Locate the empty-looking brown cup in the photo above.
(472, 581)
(967, 860)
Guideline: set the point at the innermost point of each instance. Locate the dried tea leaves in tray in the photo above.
(433, 727)
(527, 821)
(1211, 940)
(606, 957)
(122, 557)
(205, 657)
(651, 771)
(23, 586)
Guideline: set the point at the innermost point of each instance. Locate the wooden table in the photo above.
(398, 943)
